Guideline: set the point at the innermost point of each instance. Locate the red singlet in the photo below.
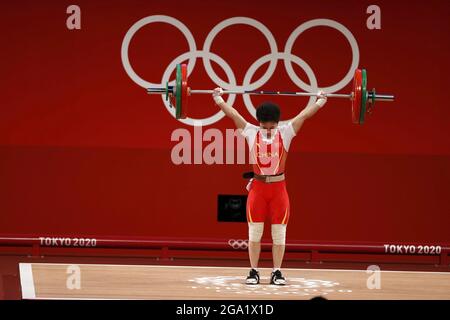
(268, 200)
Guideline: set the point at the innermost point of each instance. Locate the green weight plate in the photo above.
(363, 96)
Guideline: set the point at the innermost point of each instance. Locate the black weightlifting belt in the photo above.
(269, 179)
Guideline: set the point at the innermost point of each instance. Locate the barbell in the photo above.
(363, 101)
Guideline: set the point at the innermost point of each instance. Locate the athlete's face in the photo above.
(268, 126)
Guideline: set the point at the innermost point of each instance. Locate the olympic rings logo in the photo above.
(238, 244)
(272, 58)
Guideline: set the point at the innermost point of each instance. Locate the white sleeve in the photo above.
(287, 134)
(249, 132)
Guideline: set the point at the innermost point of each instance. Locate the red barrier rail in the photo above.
(221, 244)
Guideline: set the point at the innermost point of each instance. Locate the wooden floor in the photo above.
(61, 281)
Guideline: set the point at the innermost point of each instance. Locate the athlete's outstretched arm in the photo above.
(229, 111)
(309, 111)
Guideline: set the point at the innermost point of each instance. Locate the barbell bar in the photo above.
(278, 93)
(362, 100)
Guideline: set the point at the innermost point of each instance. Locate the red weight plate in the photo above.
(184, 90)
(357, 96)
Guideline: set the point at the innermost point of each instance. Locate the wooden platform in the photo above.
(60, 281)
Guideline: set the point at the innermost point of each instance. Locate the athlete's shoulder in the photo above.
(248, 125)
(286, 128)
(249, 128)
(284, 125)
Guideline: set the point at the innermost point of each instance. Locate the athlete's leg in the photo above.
(254, 244)
(279, 245)
(256, 212)
(279, 210)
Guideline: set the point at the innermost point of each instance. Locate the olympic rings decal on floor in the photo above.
(272, 58)
(301, 287)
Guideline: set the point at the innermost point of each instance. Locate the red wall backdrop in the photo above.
(85, 151)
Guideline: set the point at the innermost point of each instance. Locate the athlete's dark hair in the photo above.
(268, 111)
